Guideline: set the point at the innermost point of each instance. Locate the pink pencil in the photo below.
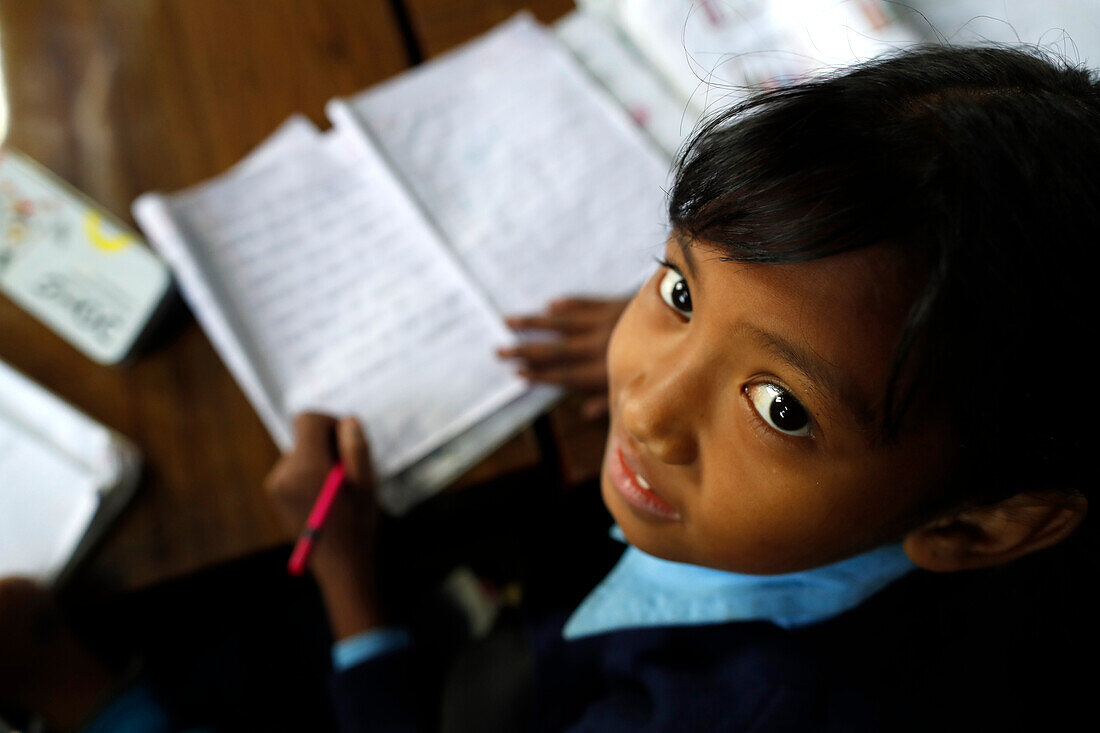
(300, 556)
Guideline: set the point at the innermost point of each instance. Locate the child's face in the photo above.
(742, 394)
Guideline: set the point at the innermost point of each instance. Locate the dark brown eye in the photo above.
(779, 409)
(674, 291)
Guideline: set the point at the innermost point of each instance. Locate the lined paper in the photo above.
(539, 182)
(611, 59)
(342, 297)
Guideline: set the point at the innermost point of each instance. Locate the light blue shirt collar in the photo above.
(645, 591)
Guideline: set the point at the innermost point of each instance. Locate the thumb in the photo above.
(354, 451)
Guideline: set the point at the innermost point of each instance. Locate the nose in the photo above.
(660, 408)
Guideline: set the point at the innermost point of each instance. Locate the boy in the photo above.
(855, 359)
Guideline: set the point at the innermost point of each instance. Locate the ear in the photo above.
(984, 536)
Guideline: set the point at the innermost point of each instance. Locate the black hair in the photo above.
(981, 166)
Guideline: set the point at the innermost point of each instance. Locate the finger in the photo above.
(561, 324)
(591, 376)
(541, 353)
(354, 452)
(291, 474)
(561, 306)
(595, 407)
(313, 435)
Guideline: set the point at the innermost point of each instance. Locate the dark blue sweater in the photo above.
(990, 650)
(728, 677)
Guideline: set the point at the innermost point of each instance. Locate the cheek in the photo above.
(762, 512)
(762, 517)
(747, 509)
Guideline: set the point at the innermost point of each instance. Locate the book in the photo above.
(366, 270)
(66, 479)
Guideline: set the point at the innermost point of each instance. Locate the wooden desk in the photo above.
(439, 25)
(121, 97)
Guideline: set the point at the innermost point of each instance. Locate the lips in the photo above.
(626, 476)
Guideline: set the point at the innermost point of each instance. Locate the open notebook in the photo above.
(366, 270)
(65, 478)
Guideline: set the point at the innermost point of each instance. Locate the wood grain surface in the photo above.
(439, 25)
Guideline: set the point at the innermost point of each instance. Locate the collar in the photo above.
(645, 591)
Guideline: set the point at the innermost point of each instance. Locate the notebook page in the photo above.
(153, 213)
(336, 286)
(539, 182)
(47, 502)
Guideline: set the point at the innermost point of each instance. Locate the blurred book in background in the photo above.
(74, 266)
(65, 478)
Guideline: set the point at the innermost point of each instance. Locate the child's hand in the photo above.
(577, 359)
(346, 542)
(343, 559)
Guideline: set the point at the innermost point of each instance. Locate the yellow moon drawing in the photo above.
(92, 222)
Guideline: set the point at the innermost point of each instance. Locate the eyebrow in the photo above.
(818, 372)
(686, 250)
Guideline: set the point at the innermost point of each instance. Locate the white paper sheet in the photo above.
(340, 297)
(710, 51)
(1068, 27)
(713, 52)
(47, 502)
(612, 60)
(540, 182)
